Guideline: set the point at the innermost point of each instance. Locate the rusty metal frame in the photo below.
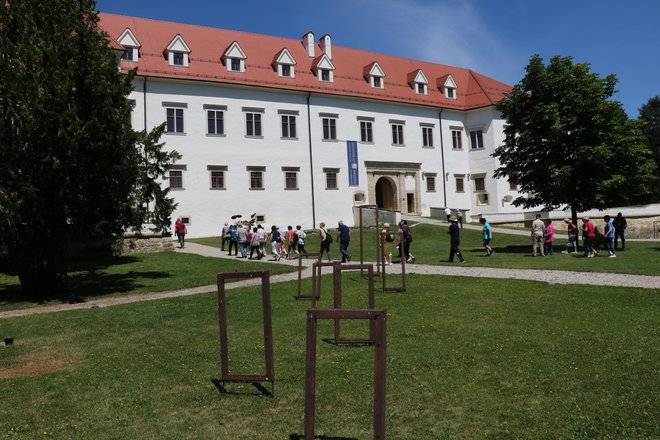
(225, 375)
(317, 268)
(401, 288)
(299, 294)
(336, 278)
(379, 318)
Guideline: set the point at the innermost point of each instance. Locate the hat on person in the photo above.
(387, 225)
(453, 219)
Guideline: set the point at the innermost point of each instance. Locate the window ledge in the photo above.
(176, 189)
(289, 138)
(216, 135)
(366, 143)
(428, 147)
(253, 137)
(291, 189)
(332, 189)
(398, 145)
(174, 133)
(256, 189)
(218, 189)
(329, 140)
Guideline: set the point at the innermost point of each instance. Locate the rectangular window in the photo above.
(288, 126)
(176, 179)
(217, 180)
(256, 180)
(479, 184)
(329, 129)
(460, 184)
(286, 70)
(127, 55)
(456, 139)
(397, 134)
(331, 180)
(290, 180)
(513, 186)
(253, 124)
(421, 89)
(427, 136)
(378, 82)
(177, 58)
(366, 131)
(216, 122)
(450, 92)
(430, 183)
(235, 64)
(476, 139)
(325, 75)
(174, 120)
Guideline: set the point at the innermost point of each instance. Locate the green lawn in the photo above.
(467, 359)
(100, 277)
(431, 246)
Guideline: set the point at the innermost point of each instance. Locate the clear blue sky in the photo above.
(493, 37)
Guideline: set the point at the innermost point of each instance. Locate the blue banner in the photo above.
(353, 171)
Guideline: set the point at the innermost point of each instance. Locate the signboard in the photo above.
(353, 171)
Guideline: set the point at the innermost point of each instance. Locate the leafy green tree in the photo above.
(72, 168)
(650, 114)
(567, 144)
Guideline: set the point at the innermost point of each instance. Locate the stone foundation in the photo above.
(146, 244)
(642, 227)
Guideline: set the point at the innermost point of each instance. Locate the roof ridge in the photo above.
(472, 72)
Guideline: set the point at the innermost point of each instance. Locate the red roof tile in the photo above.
(207, 46)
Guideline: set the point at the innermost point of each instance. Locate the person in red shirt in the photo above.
(180, 228)
(588, 234)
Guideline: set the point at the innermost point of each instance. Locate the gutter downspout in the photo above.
(144, 102)
(442, 154)
(311, 160)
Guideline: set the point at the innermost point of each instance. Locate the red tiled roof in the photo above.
(208, 45)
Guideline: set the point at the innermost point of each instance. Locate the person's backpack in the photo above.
(276, 236)
(389, 236)
(328, 237)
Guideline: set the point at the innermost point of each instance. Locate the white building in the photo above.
(264, 125)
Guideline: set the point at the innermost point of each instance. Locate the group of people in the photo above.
(289, 243)
(543, 236)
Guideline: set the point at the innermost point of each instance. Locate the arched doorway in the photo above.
(386, 193)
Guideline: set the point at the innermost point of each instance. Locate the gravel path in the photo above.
(546, 276)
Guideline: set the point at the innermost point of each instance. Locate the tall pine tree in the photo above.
(72, 168)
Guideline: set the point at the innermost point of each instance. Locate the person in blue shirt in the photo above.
(608, 232)
(488, 236)
(454, 240)
(344, 238)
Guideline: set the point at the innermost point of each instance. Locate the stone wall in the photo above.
(641, 227)
(146, 244)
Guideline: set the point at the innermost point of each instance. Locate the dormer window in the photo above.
(234, 58)
(178, 52)
(323, 68)
(448, 86)
(130, 44)
(418, 82)
(374, 74)
(284, 64)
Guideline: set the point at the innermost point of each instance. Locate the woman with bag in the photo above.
(326, 239)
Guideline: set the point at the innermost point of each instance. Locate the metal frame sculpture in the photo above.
(299, 294)
(225, 375)
(317, 267)
(379, 317)
(402, 288)
(336, 277)
(360, 208)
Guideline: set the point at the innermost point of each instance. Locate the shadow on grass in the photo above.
(85, 280)
(319, 437)
(260, 389)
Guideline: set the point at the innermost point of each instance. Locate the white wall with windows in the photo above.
(220, 156)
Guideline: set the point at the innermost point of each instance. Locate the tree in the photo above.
(72, 168)
(650, 114)
(567, 144)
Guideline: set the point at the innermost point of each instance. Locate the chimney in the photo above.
(326, 45)
(308, 42)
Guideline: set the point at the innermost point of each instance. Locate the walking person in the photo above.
(620, 225)
(388, 238)
(448, 213)
(344, 238)
(292, 242)
(588, 234)
(224, 233)
(254, 244)
(326, 239)
(233, 239)
(275, 242)
(241, 234)
(301, 240)
(407, 239)
(181, 231)
(572, 237)
(609, 232)
(263, 236)
(549, 237)
(454, 240)
(488, 236)
(538, 228)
